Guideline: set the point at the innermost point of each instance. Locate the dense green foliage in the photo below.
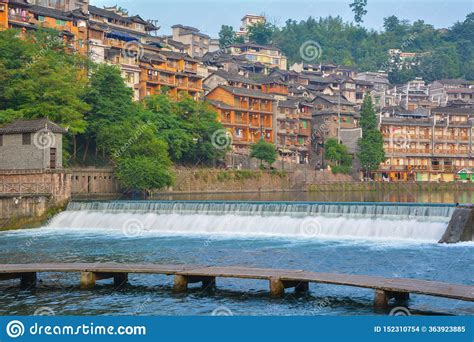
(187, 126)
(338, 156)
(264, 151)
(358, 7)
(261, 33)
(39, 78)
(450, 53)
(227, 37)
(371, 153)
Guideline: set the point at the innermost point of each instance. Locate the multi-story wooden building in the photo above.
(197, 41)
(270, 56)
(248, 21)
(332, 114)
(175, 72)
(68, 19)
(248, 114)
(294, 130)
(427, 147)
(3, 14)
(444, 91)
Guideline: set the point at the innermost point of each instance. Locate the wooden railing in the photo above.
(25, 188)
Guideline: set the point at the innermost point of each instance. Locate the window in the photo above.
(60, 22)
(41, 18)
(26, 138)
(130, 77)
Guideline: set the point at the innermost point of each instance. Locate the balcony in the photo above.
(304, 131)
(409, 150)
(452, 152)
(194, 85)
(182, 84)
(20, 18)
(154, 79)
(167, 81)
(191, 69)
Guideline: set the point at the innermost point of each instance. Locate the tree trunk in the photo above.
(74, 143)
(86, 151)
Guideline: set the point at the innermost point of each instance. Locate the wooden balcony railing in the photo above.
(25, 188)
(19, 17)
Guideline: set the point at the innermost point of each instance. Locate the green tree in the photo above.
(443, 62)
(368, 118)
(261, 33)
(188, 127)
(358, 7)
(40, 78)
(371, 150)
(391, 23)
(143, 174)
(264, 151)
(110, 101)
(338, 156)
(227, 36)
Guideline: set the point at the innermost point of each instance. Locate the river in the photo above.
(392, 241)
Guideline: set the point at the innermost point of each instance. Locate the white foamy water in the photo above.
(130, 224)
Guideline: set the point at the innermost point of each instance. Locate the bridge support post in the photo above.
(120, 279)
(302, 287)
(277, 288)
(88, 280)
(28, 280)
(180, 283)
(400, 296)
(381, 299)
(208, 282)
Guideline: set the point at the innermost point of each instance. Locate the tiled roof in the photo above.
(454, 110)
(248, 92)
(254, 45)
(107, 14)
(220, 104)
(190, 30)
(178, 55)
(334, 99)
(230, 76)
(350, 138)
(454, 81)
(288, 104)
(50, 12)
(31, 126)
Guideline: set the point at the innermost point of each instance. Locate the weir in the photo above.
(308, 220)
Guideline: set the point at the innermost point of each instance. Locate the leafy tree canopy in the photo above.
(261, 33)
(264, 151)
(338, 156)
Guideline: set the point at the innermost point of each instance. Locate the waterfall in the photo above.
(299, 220)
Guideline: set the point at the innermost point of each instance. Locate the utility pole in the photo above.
(339, 113)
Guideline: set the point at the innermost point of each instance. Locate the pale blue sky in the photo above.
(209, 15)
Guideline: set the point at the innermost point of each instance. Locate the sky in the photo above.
(209, 15)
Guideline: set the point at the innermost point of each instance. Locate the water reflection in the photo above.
(402, 195)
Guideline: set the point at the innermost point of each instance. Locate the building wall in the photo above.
(18, 183)
(3, 14)
(16, 156)
(92, 181)
(240, 120)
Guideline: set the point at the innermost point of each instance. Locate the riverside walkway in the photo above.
(279, 279)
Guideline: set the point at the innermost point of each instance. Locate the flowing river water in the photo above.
(398, 240)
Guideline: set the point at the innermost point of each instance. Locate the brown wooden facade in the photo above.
(247, 114)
